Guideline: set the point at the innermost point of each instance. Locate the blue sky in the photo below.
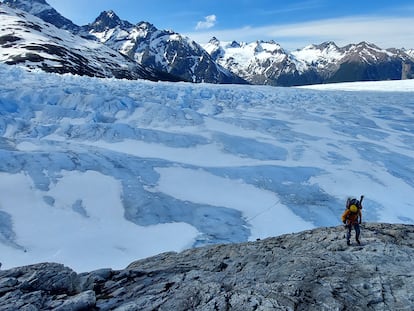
(293, 24)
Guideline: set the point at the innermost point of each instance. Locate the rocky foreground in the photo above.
(311, 270)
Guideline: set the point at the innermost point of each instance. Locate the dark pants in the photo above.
(357, 232)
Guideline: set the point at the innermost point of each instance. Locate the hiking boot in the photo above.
(359, 243)
(348, 242)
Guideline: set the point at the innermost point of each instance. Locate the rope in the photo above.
(263, 211)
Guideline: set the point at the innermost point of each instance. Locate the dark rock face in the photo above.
(108, 20)
(311, 270)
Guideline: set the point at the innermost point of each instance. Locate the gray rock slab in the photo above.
(310, 270)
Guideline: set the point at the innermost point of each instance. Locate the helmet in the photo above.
(353, 208)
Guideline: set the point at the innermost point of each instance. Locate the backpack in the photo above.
(353, 205)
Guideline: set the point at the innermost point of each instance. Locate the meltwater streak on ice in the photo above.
(108, 171)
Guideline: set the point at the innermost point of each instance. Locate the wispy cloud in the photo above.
(209, 22)
(293, 7)
(386, 32)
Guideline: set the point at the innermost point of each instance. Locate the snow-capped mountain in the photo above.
(368, 62)
(260, 62)
(29, 41)
(43, 10)
(164, 50)
(267, 63)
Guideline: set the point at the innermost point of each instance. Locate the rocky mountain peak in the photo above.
(328, 45)
(235, 44)
(29, 5)
(146, 27)
(214, 41)
(108, 20)
(43, 10)
(310, 270)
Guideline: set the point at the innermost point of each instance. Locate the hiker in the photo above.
(352, 218)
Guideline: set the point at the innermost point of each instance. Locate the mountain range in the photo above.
(180, 58)
(268, 63)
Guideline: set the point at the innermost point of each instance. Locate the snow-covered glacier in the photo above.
(99, 172)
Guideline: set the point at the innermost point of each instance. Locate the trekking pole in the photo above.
(360, 202)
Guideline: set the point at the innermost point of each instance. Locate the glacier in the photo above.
(100, 172)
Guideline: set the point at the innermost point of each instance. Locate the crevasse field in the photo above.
(98, 173)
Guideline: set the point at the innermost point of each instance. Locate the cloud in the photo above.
(383, 31)
(293, 7)
(209, 22)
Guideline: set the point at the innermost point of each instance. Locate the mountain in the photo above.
(44, 11)
(310, 270)
(259, 62)
(163, 50)
(29, 41)
(368, 62)
(267, 63)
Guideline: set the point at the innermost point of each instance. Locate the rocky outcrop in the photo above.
(311, 270)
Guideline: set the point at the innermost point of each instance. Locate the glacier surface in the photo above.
(100, 172)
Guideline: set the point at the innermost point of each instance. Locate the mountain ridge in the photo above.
(309, 270)
(259, 62)
(30, 41)
(266, 62)
(164, 50)
(43, 10)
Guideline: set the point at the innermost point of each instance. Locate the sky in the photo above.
(294, 24)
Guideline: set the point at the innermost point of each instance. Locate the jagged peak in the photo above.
(328, 45)
(214, 41)
(322, 46)
(146, 26)
(108, 16)
(25, 2)
(235, 44)
(31, 6)
(43, 10)
(362, 45)
(108, 20)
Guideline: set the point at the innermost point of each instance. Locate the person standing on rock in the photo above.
(352, 218)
